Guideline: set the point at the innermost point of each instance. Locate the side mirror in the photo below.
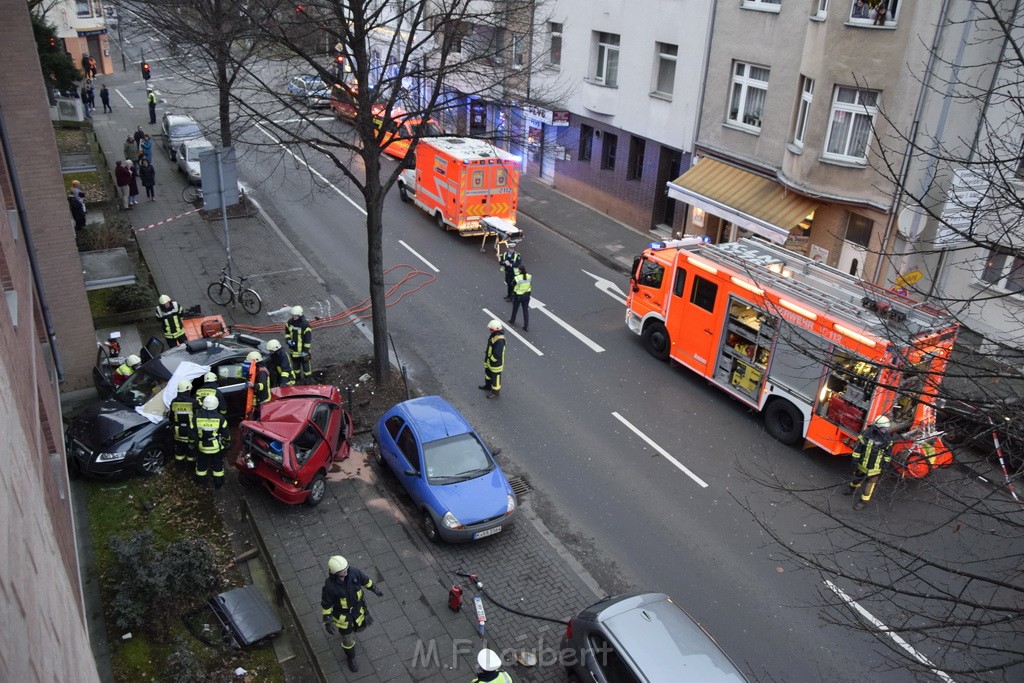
(410, 473)
(636, 287)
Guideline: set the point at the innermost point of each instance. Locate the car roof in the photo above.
(434, 418)
(174, 119)
(287, 414)
(201, 352)
(663, 640)
(197, 142)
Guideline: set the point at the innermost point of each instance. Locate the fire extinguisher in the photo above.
(455, 597)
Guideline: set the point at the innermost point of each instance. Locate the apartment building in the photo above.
(44, 634)
(815, 119)
(629, 76)
(82, 25)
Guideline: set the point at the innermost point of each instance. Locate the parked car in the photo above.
(301, 431)
(112, 438)
(310, 90)
(970, 423)
(642, 637)
(177, 129)
(188, 154)
(444, 466)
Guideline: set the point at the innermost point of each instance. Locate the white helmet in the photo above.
(254, 357)
(296, 310)
(337, 564)
(184, 385)
(882, 422)
(273, 345)
(488, 660)
(210, 402)
(133, 360)
(210, 377)
(164, 299)
(494, 326)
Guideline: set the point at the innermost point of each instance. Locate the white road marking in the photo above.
(885, 629)
(311, 169)
(683, 468)
(608, 287)
(509, 330)
(539, 305)
(126, 100)
(419, 256)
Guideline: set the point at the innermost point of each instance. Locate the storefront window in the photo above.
(849, 388)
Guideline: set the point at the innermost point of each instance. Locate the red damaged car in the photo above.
(290, 448)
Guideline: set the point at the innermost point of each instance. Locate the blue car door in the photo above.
(409, 459)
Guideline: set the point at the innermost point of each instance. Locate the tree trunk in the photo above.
(374, 199)
(224, 100)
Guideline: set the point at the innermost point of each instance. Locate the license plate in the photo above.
(485, 534)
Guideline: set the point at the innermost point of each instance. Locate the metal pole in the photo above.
(223, 207)
(120, 46)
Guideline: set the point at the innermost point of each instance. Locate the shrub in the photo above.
(182, 666)
(107, 235)
(132, 298)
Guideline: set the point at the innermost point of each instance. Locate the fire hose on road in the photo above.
(455, 603)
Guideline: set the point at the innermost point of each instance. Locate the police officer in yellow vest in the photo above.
(343, 606)
(490, 668)
(299, 337)
(126, 370)
(209, 388)
(151, 101)
(212, 437)
(872, 452)
(522, 286)
(183, 423)
(494, 359)
(169, 314)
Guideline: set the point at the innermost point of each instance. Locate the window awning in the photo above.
(754, 203)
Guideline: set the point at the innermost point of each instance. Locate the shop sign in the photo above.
(92, 32)
(818, 253)
(908, 279)
(538, 114)
(967, 202)
(559, 118)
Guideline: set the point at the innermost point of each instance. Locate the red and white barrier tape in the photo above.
(166, 220)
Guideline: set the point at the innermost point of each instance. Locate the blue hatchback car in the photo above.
(458, 488)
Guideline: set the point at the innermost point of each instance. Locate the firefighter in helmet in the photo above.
(494, 359)
(280, 366)
(183, 425)
(168, 312)
(299, 337)
(210, 388)
(342, 604)
(871, 453)
(126, 370)
(212, 438)
(490, 663)
(259, 385)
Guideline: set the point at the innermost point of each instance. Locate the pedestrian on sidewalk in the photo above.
(281, 374)
(212, 439)
(86, 104)
(148, 176)
(299, 337)
(138, 136)
(183, 424)
(871, 453)
(168, 312)
(146, 148)
(133, 183)
(92, 67)
(490, 668)
(77, 210)
(342, 604)
(123, 178)
(522, 287)
(131, 148)
(494, 359)
(151, 100)
(105, 99)
(85, 64)
(510, 261)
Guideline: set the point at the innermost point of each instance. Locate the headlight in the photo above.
(511, 505)
(450, 521)
(111, 457)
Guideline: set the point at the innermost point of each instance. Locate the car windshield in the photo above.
(185, 130)
(138, 389)
(455, 459)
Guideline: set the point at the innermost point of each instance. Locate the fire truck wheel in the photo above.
(439, 219)
(657, 341)
(402, 194)
(783, 421)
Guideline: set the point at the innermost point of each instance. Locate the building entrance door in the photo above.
(664, 213)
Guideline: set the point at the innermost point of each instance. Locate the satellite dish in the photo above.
(911, 221)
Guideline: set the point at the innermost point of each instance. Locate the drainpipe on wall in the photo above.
(30, 247)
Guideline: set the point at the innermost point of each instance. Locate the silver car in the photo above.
(642, 638)
(188, 158)
(177, 129)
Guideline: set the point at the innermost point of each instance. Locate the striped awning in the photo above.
(751, 201)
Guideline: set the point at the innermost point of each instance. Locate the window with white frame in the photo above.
(606, 71)
(518, 50)
(1004, 269)
(666, 76)
(850, 123)
(874, 12)
(749, 89)
(554, 43)
(822, 8)
(803, 110)
(83, 8)
(770, 5)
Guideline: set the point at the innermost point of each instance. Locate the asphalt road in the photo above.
(582, 404)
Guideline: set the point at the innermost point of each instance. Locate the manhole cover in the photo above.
(519, 485)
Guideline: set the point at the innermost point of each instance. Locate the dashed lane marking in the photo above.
(419, 256)
(650, 442)
(510, 330)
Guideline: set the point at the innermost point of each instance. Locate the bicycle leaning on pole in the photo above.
(228, 290)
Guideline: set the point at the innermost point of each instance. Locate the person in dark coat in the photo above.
(133, 184)
(86, 101)
(123, 178)
(77, 210)
(131, 148)
(138, 136)
(105, 99)
(343, 606)
(148, 176)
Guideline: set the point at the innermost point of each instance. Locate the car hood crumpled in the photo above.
(105, 421)
(474, 500)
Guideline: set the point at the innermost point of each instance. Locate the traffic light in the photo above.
(145, 70)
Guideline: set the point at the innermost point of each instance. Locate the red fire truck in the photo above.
(820, 353)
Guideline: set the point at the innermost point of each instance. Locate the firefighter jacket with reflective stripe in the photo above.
(511, 260)
(492, 677)
(211, 431)
(341, 600)
(872, 451)
(222, 405)
(494, 358)
(261, 387)
(523, 284)
(171, 321)
(183, 417)
(123, 372)
(280, 369)
(298, 335)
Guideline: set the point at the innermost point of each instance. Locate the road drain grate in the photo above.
(519, 485)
